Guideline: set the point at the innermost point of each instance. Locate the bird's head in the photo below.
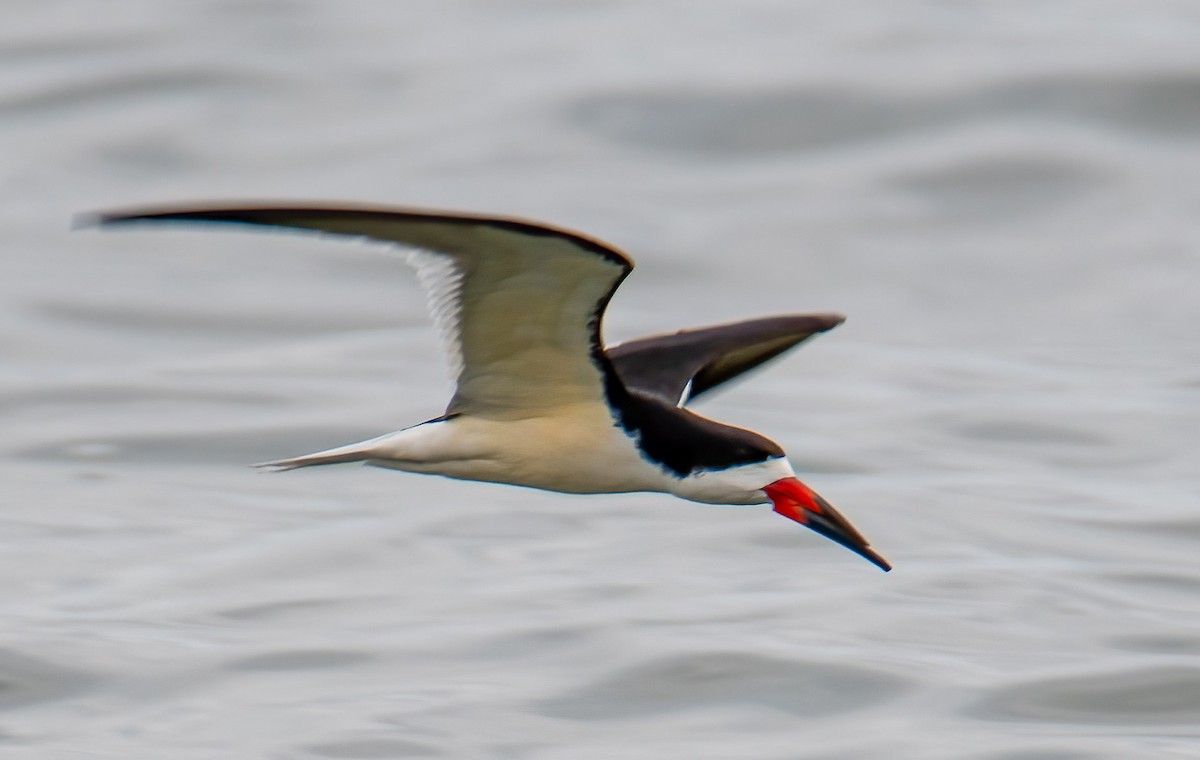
(772, 479)
(739, 466)
(798, 502)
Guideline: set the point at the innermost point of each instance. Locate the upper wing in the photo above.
(519, 303)
(681, 366)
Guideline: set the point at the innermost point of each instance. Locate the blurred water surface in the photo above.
(1002, 197)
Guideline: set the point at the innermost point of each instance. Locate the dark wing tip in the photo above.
(89, 219)
(802, 325)
(214, 213)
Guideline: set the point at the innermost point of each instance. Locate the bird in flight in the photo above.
(539, 400)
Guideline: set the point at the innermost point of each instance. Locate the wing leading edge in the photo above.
(519, 302)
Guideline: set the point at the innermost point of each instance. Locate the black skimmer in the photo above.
(540, 401)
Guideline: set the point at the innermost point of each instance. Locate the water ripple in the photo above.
(1146, 696)
(367, 749)
(25, 680)
(747, 123)
(716, 679)
(306, 659)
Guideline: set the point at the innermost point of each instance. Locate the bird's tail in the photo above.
(354, 452)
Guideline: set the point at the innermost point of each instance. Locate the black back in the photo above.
(684, 442)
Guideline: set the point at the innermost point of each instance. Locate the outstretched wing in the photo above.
(519, 303)
(679, 367)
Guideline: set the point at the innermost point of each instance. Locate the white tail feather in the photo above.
(354, 452)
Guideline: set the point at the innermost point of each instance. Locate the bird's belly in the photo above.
(592, 456)
(578, 450)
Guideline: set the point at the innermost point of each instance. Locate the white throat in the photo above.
(736, 485)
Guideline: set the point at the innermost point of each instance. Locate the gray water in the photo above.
(1004, 198)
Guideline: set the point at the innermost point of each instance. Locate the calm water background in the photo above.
(1003, 197)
